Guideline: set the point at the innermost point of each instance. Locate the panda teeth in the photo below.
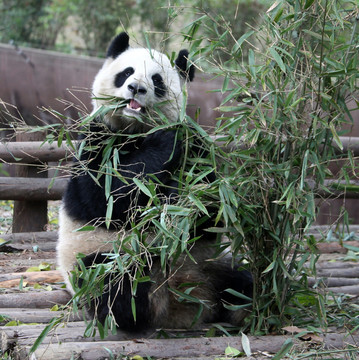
(134, 109)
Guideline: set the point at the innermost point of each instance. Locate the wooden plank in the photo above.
(349, 290)
(42, 316)
(30, 278)
(46, 246)
(34, 299)
(43, 240)
(30, 237)
(37, 151)
(29, 214)
(334, 282)
(349, 272)
(25, 335)
(336, 247)
(29, 152)
(31, 189)
(188, 348)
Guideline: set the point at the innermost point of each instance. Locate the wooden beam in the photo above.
(31, 237)
(28, 152)
(189, 348)
(37, 151)
(34, 299)
(31, 189)
(40, 316)
(30, 214)
(31, 278)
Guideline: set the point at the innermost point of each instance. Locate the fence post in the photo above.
(30, 216)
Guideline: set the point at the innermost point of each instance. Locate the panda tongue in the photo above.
(134, 104)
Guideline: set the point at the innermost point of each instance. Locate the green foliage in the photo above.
(38, 23)
(35, 22)
(285, 106)
(295, 83)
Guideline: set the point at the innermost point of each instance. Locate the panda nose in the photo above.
(136, 88)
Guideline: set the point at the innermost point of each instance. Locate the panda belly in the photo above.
(157, 303)
(72, 242)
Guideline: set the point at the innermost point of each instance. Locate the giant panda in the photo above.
(143, 86)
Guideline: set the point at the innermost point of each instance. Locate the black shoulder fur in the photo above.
(156, 154)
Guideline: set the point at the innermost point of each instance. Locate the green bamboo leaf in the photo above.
(60, 137)
(142, 187)
(109, 211)
(238, 294)
(52, 324)
(246, 345)
(231, 351)
(317, 36)
(335, 135)
(308, 3)
(241, 40)
(108, 180)
(133, 308)
(352, 248)
(288, 344)
(86, 228)
(269, 267)
(225, 84)
(304, 169)
(198, 203)
(277, 59)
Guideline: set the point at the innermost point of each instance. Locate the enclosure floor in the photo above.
(28, 299)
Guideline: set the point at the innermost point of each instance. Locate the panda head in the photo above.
(143, 83)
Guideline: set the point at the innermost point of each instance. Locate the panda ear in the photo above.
(118, 45)
(181, 63)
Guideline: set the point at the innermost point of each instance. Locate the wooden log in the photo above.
(334, 282)
(30, 278)
(163, 348)
(37, 315)
(189, 348)
(335, 247)
(29, 152)
(350, 272)
(31, 237)
(32, 190)
(34, 299)
(29, 214)
(335, 264)
(349, 290)
(349, 143)
(50, 246)
(325, 228)
(25, 335)
(43, 240)
(38, 151)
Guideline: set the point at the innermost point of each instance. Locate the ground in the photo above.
(29, 303)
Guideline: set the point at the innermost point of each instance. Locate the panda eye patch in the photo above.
(160, 87)
(122, 76)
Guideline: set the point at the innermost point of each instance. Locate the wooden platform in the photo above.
(26, 300)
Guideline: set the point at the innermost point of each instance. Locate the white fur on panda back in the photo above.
(72, 242)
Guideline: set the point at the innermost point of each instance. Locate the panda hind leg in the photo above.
(224, 277)
(116, 299)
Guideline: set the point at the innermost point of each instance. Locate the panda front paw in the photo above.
(165, 144)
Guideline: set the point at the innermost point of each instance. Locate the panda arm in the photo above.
(158, 154)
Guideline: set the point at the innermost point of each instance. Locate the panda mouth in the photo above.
(133, 105)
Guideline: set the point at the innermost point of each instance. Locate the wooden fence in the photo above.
(31, 188)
